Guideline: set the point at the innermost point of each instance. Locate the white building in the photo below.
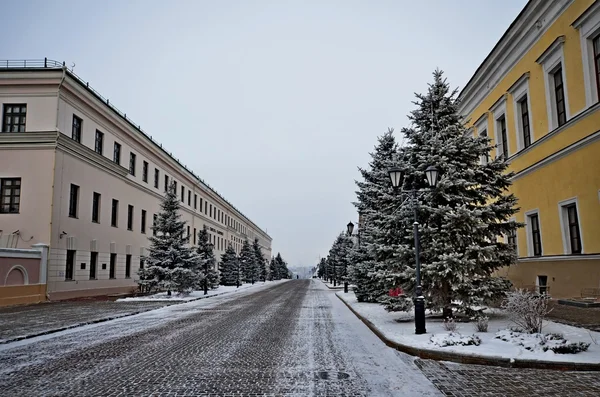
(76, 174)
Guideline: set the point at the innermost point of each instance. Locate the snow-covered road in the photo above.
(289, 339)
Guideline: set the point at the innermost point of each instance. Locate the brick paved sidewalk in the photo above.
(20, 322)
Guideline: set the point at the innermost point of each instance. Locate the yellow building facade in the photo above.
(536, 96)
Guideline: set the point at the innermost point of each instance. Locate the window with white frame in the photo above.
(534, 233)
(482, 130)
(588, 25)
(557, 101)
(522, 106)
(511, 237)
(571, 231)
(501, 128)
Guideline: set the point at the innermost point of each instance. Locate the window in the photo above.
(113, 265)
(76, 129)
(201, 205)
(93, 265)
(503, 138)
(143, 227)
(132, 163)
(188, 233)
(141, 262)
(73, 198)
(70, 265)
(154, 217)
(535, 235)
(96, 207)
(14, 118)
(542, 284)
(205, 207)
(130, 217)
(195, 233)
(99, 145)
(156, 177)
(588, 25)
(117, 153)
(166, 183)
(183, 194)
(128, 266)
(145, 171)
(559, 97)
(512, 238)
(596, 46)
(525, 127)
(114, 215)
(175, 187)
(189, 197)
(574, 236)
(211, 211)
(195, 201)
(10, 195)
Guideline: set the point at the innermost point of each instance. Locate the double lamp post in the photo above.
(397, 178)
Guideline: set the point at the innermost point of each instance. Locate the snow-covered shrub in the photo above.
(481, 323)
(450, 325)
(542, 342)
(569, 348)
(396, 303)
(527, 309)
(455, 339)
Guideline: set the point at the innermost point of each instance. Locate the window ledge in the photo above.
(554, 258)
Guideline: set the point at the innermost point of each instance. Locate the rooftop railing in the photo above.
(52, 64)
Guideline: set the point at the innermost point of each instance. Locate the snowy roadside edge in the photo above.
(466, 358)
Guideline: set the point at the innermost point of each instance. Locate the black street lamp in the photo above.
(349, 230)
(397, 178)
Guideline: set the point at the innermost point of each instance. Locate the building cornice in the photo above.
(87, 155)
(20, 253)
(556, 258)
(531, 23)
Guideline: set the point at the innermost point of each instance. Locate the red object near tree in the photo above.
(394, 292)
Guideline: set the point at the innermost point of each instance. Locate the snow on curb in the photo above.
(491, 351)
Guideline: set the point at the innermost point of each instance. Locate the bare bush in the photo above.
(450, 325)
(481, 323)
(527, 309)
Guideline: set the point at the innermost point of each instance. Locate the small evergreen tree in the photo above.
(170, 262)
(208, 277)
(273, 270)
(281, 266)
(339, 256)
(247, 263)
(230, 267)
(259, 262)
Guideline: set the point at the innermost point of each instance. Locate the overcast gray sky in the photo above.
(273, 103)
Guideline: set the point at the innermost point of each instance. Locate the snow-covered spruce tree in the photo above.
(464, 220)
(281, 266)
(321, 268)
(339, 256)
(206, 265)
(170, 262)
(379, 233)
(247, 263)
(260, 271)
(230, 267)
(273, 271)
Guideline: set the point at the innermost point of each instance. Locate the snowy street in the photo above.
(293, 338)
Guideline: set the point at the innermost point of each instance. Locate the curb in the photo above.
(335, 288)
(101, 320)
(429, 354)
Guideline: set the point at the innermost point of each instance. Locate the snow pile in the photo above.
(455, 339)
(537, 342)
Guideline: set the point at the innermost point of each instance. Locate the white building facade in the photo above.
(77, 174)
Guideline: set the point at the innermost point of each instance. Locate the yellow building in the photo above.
(536, 95)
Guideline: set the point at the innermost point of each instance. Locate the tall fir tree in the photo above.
(281, 265)
(170, 262)
(259, 263)
(230, 267)
(206, 264)
(375, 202)
(463, 220)
(273, 270)
(247, 262)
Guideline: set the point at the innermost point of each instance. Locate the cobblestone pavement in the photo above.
(293, 339)
(22, 321)
(479, 380)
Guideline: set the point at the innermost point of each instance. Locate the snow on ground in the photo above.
(400, 328)
(195, 295)
(330, 285)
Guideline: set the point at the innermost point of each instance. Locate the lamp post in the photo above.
(397, 178)
(349, 230)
